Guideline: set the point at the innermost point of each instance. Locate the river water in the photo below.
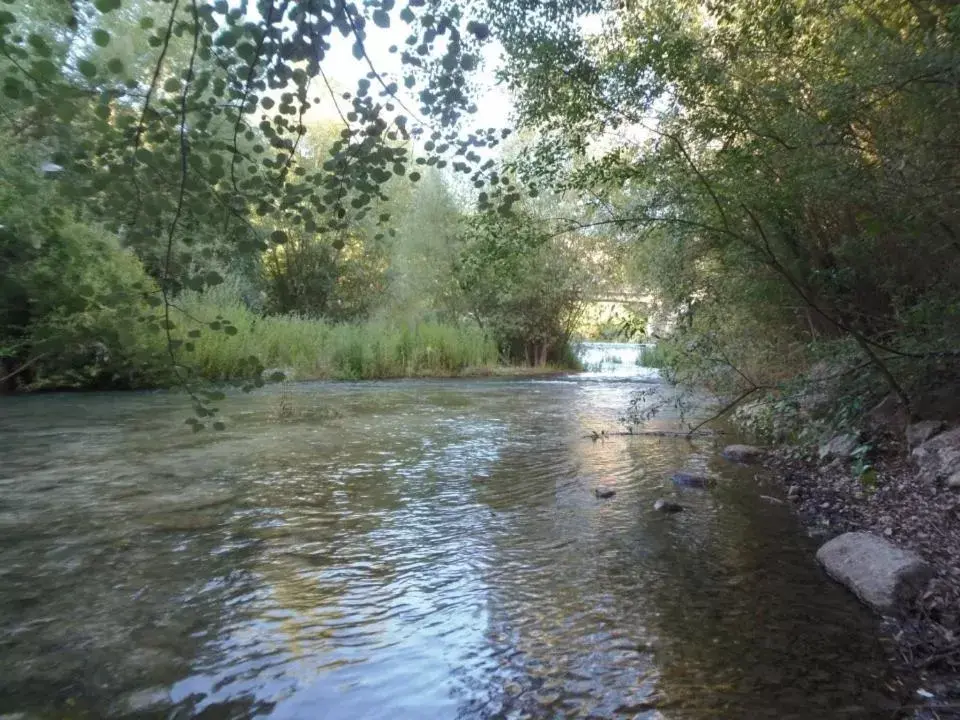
(406, 549)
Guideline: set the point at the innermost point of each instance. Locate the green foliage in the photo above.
(71, 299)
(786, 172)
(315, 349)
(654, 356)
(525, 286)
(179, 129)
(780, 176)
(421, 283)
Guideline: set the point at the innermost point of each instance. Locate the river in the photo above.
(406, 549)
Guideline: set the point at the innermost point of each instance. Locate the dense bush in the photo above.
(786, 175)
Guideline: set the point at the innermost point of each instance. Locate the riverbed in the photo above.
(407, 549)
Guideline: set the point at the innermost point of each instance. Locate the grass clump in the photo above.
(309, 348)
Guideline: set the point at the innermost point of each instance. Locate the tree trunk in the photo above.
(542, 356)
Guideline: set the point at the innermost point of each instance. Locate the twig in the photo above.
(267, 29)
(30, 362)
(726, 408)
(141, 125)
(654, 433)
(184, 165)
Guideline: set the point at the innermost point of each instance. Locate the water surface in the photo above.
(408, 549)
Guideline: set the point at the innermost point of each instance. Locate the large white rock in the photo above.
(889, 417)
(939, 457)
(881, 574)
(840, 446)
(919, 432)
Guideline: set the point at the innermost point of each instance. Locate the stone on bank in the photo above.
(918, 433)
(841, 446)
(938, 458)
(882, 575)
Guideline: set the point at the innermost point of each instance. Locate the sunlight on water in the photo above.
(614, 360)
(409, 549)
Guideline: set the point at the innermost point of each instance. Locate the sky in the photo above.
(494, 105)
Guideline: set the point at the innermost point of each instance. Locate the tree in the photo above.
(188, 146)
(789, 168)
(522, 284)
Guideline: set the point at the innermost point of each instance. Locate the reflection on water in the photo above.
(432, 550)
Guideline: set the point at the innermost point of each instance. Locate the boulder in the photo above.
(953, 482)
(666, 506)
(881, 574)
(918, 433)
(816, 391)
(888, 417)
(604, 492)
(745, 454)
(939, 457)
(841, 446)
(691, 480)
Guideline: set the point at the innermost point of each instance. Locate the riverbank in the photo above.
(915, 511)
(471, 371)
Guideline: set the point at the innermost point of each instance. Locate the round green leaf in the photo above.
(44, 69)
(39, 45)
(12, 87)
(101, 37)
(106, 6)
(87, 69)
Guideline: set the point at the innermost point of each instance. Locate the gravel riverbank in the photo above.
(914, 512)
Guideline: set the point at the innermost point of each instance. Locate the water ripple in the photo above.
(432, 551)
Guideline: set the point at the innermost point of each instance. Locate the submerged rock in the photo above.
(691, 480)
(744, 453)
(604, 492)
(939, 457)
(141, 701)
(881, 574)
(918, 433)
(841, 446)
(666, 506)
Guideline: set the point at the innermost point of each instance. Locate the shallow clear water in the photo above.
(409, 549)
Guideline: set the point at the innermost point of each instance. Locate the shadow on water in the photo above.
(428, 550)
